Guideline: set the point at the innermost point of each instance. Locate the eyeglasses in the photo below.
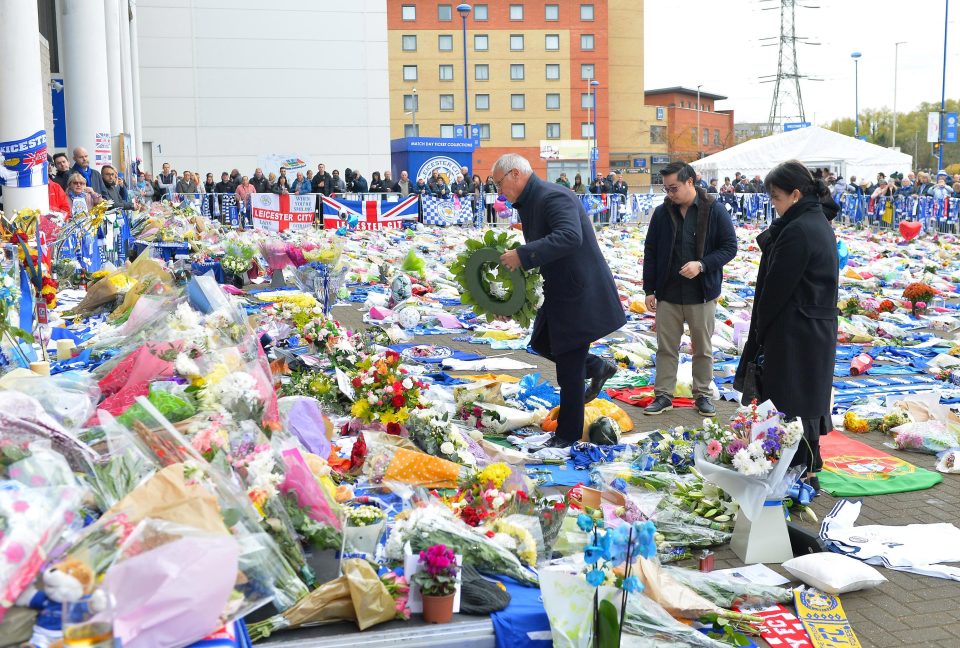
(671, 190)
(496, 183)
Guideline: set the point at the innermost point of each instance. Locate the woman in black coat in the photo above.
(794, 322)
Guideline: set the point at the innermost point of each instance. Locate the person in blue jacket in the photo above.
(580, 299)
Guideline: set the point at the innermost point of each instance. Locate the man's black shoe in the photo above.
(705, 407)
(659, 405)
(596, 382)
(557, 442)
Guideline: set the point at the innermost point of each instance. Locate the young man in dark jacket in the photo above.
(689, 240)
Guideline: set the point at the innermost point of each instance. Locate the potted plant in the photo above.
(437, 580)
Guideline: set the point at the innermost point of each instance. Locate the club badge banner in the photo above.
(275, 213)
(23, 162)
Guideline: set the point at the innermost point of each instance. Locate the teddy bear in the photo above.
(66, 581)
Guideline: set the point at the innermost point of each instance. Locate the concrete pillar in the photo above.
(83, 55)
(135, 68)
(22, 135)
(111, 11)
(126, 78)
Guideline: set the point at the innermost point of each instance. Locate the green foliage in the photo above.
(609, 625)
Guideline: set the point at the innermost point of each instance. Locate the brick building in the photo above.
(693, 133)
(529, 68)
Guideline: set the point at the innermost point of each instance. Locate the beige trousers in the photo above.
(670, 321)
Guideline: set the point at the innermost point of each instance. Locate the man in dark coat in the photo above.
(689, 240)
(580, 302)
(322, 182)
(81, 165)
(795, 316)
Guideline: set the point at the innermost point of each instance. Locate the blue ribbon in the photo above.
(26, 301)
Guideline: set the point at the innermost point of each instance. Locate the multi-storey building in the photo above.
(529, 67)
(693, 130)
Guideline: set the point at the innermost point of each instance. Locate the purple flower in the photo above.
(735, 446)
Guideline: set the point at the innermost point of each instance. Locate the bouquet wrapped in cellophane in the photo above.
(434, 523)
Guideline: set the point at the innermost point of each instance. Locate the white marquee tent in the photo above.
(814, 146)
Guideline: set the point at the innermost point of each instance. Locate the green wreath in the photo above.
(489, 287)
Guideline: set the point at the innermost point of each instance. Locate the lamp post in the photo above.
(856, 95)
(464, 11)
(896, 52)
(699, 134)
(594, 150)
(943, 87)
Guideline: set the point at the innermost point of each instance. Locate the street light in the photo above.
(943, 86)
(699, 134)
(856, 95)
(464, 11)
(594, 150)
(896, 52)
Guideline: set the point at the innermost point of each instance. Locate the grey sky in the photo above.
(716, 43)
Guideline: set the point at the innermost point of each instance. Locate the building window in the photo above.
(586, 71)
(693, 136)
(518, 131)
(409, 72)
(518, 102)
(661, 113)
(409, 43)
(516, 42)
(716, 137)
(481, 102)
(586, 100)
(586, 130)
(480, 12)
(516, 12)
(586, 12)
(445, 42)
(553, 101)
(408, 12)
(446, 73)
(446, 102)
(586, 42)
(551, 12)
(411, 102)
(553, 42)
(553, 72)
(516, 72)
(484, 131)
(658, 134)
(553, 131)
(445, 13)
(446, 130)
(481, 42)
(481, 72)
(409, 130)
(706, 137)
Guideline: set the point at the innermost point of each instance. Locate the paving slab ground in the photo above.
(907, 610)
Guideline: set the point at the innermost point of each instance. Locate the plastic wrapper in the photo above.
(358, 595)
(647, 624)
(674, 596)
(314, 514)
(949, 462)
(931, 437)
(171, 584)
(24, 419)
(568, 601)
(120, 468)
(728, 591)
(70, 398)
(39, 498)
(388, 462)
(435, 524)
(749, 492)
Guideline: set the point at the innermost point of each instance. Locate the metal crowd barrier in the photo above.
(474, 209)
(887, 212)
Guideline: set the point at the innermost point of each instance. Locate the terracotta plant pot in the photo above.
(438, 609)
